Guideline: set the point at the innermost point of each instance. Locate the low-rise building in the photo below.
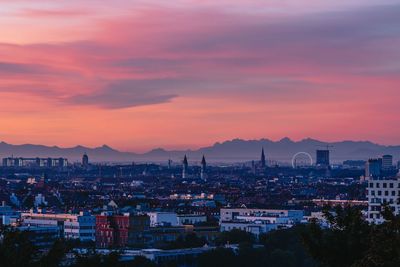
(163, 219)
(258, 221)
(191, 219)
(70, 226)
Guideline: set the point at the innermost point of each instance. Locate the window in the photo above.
(379, 193)
(384, 185)
(371, 185)
(386, 193)
(391, 185)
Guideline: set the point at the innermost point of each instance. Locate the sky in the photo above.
(176, 74)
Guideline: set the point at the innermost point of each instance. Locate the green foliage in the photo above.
(351, 241)
(190, 240)
(235, 236)
(16, 250)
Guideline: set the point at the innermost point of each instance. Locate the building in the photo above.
(112, 230)
(70, 226)
(203, 169)
(185, 166)
(387, 162)
(163, 219)
(41, 236)
(258, 221)
(85, 160)
(380, 191)
(323, 159)
(7, 215)
(263, 160)
(35, 162)
(119, 230)
(191, 219)
(373, 168)
(82, 227)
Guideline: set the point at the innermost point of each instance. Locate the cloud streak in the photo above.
(137, 56)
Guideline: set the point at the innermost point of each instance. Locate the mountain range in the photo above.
(235, 150)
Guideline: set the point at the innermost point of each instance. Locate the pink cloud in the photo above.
(321, 73)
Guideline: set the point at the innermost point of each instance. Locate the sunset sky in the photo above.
(137, 75)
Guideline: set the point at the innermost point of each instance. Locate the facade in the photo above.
(258, 221)
(323, 159)
(119, 230)
(70, 226)
(387, 162)
(373, 168)
(191, 219)
(7, 215)
(163, 219)
(380, 191)
(35, 162)
(42, 236)
(112, 230)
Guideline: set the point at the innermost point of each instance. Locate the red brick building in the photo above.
(112, 230)
(119, 230)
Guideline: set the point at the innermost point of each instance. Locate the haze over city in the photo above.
(137, 75)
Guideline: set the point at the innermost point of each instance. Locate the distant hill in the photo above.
(229, 151)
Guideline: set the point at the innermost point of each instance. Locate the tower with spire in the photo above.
(263, 161)
(203, 169)
(85, 160)
(185, 167)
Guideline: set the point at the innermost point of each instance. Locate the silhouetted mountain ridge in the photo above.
(226, 151)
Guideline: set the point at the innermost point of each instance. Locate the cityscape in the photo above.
(191, 133)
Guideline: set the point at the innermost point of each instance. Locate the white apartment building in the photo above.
(382, 191)
(258, 221)
(230, 214)
(80, 226)
(163, 219)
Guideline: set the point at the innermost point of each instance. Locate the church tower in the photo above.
(203, 169)
(263, 161)
(185, 167)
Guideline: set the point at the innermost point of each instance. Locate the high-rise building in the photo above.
(373, 168)
(263, 161)
(323, 158)
(387, 162)
(185, 167)
(85, 160)
(203, 169)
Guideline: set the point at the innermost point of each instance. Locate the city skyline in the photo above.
(137, 75)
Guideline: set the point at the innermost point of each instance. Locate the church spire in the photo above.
(263, 161)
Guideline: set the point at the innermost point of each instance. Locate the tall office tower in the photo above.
(387, 162)
(169, 164)
(323, 158)
(85, 160)
(263, 161)
(185, 167)
(203, 169)
(373, 168)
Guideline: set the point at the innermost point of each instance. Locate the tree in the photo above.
(344, 243)
(235, 236)
(16, 249)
